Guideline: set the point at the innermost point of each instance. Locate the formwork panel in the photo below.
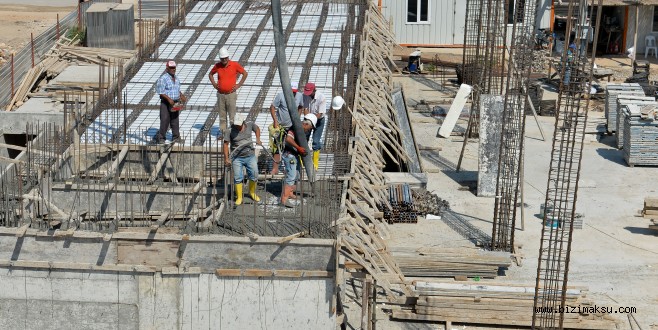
(168, 51)
(305, 22)
(221, 20)
(250, 21)
(195, 19)
(179, 36)
(335, 23)
(285, 19)
(209, 37)
(204, 7)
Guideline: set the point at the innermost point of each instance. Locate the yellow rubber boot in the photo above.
(238, 194)
(316, 159)
(252, 191)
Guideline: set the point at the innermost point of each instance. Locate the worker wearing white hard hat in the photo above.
(281, 122)
(315, 103)
(290, 160)
(227, 73)
(169, 88)
(242, 154)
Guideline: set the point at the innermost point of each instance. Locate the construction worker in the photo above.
(316, 104)
(227, 72)
(290, 155)
(242, 154)
(281, 122)
(171, 99)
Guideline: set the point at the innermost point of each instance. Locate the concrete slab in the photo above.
(33, 111)
(77, 75)
(41, 105)
(491, 122)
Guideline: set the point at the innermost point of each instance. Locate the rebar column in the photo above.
(564, 172)
(519, 63)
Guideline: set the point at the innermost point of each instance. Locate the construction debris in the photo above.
(426, 203)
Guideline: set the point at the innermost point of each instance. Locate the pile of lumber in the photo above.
(494, 304)
(450, 262)
(650, 211)
(50, 66)
(95, 55)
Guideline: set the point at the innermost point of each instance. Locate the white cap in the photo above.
(223, 53)
(337, 103)
(294, 86)
(171, 64)
(240, 117)
(312, 118)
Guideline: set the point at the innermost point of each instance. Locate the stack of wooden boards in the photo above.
(450, 262)
(494, 304)
(57, 59)
(640, 138)
(612, 91)
(650, 211)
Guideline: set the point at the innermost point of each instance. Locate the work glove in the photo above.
(301, 151)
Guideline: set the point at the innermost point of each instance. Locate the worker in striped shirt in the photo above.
(171, 99)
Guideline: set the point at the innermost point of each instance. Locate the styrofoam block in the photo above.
(250, 21)
(305, 22)
(102, 129)
(198, 52)
(284, 18)
(239, 37)
(209, 37)
(221, 20)
(335, 23)
(195, 19)
(179, 36)
(168, 51)
(204, 7)
(231, 6)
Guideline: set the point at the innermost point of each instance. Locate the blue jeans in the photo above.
(317, 133)
(290, 166)
(252, 168)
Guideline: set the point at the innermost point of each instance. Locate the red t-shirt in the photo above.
(227, 76)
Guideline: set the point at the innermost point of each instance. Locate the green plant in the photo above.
(74, 32)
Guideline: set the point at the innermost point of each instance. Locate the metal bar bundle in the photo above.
(402, 208)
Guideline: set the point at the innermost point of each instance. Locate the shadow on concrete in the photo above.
(642, 231)
(609, 140)
(461, 224)
(429, 83)
(613, 155)
(465, 178)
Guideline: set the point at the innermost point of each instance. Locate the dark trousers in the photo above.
(167, 118)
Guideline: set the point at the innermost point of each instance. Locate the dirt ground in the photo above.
(18, 21)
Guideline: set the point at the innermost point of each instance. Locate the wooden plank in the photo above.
(455, 110)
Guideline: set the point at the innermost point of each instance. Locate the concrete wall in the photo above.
(44, 299)
(132, 281)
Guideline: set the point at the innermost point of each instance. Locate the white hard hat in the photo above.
(337, 103)
(240, 117)
(312, 118)
(223, 53)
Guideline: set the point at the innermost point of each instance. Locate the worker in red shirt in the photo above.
(227, 72)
